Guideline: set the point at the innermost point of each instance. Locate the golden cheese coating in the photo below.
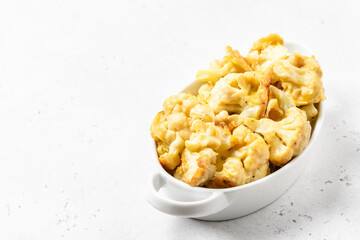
(250, 114)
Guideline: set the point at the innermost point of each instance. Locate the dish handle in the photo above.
(213, 203)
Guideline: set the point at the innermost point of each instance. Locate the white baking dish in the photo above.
(171, 196)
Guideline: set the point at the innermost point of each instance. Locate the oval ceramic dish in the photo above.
(172, 196)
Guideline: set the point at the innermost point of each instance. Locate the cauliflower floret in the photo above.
(232, 62)
(159, 129)
(236, 120)
(300, 78)
(196, 167)
(177, 121)
(288, 137)
(207, 135)
(171, 128)
(177, 110)
(222, 119)
(174, 118)
(181, 103)
(204, 92)
(238, 91)
(184, 116)
(202, 112)
(171, 159)
(311, 111)
(273, 110)
(232, 174)
(266, 52)
(233, 121)
(248, 161)
(169, 144)
(161, 133)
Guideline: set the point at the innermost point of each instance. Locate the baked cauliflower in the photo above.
(208, 135)
(234, 120)
(248, 160)
(171, 128)
(196, 167)
(300, 78)
(204, 92)
(273, 110)
(237, 92)
(244, 119)
(310, 110)
(266, 52)
(288, 137)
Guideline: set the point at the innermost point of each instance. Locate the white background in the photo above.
(80, 82)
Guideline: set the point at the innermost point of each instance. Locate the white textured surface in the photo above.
(80, 82)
